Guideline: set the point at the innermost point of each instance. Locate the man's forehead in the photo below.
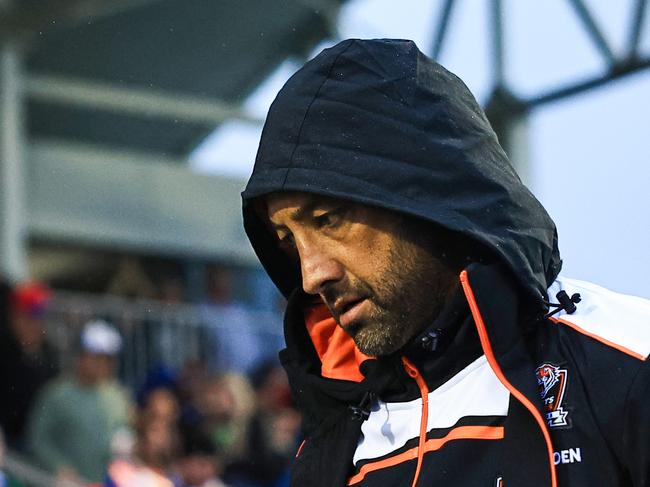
(295, 203)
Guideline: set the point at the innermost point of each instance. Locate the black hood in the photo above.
(377, 122)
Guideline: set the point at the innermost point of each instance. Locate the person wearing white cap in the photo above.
(77, 417)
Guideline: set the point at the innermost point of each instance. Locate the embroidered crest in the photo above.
(552, 382)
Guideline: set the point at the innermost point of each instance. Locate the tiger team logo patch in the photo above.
(552, 382)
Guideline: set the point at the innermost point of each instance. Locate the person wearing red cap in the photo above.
(27, 361)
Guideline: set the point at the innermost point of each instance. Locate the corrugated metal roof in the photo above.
(202, 50)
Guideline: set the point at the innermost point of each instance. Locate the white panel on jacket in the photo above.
(474, 391)
(607, 316)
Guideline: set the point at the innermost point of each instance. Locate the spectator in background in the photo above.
(200, 463)
(27, 360)
(76, 418)
(152, 460)
(172, 290)
(131, 280)
(191, 379)
(272, 433)
(236, 343)
(158, 395)
(157, 445)
(225, 404)
(161, 404)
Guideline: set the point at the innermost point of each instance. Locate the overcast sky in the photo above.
(589, 155)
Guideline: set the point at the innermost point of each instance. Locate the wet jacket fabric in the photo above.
(493, 392)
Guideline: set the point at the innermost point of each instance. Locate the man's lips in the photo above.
(349, 310)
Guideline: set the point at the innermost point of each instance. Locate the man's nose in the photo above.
(318, 268)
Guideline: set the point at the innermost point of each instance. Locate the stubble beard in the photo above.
(406, 298)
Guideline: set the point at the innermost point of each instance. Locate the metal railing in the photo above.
(154, 333)
(157, 333)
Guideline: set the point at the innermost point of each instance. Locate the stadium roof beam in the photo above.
(616, 66)
(27, 16)
(104, 85)
(101, 79)
(328, 10)
(441, 30)
(508, 112)
(497, 42)
(594, 32)
(636, 21)
(13, 263)
(143, 102)
(618, 70)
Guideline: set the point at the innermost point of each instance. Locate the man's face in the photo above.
(95, 368)
(374, 269)
(29, 330)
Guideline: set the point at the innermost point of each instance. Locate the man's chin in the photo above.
(374, 344)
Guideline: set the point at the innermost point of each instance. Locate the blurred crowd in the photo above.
(222, 420)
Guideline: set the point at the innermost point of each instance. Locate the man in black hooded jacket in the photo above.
(430, 338)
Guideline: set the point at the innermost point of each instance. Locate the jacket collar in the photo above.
(447, 346)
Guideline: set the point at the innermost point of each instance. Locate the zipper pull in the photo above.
(410, 369)
(414, 373)
(361, 412)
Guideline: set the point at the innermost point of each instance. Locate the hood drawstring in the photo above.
(566, 303)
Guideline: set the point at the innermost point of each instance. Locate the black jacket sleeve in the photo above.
(636, 435)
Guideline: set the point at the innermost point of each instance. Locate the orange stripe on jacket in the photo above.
(496, 368)
(339, 356)
(460, 433)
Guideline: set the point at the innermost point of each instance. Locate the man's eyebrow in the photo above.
(298, 214)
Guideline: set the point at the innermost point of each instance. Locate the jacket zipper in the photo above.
(414, 373)
(489, 354)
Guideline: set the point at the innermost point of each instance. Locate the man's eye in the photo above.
(323, 220)
(326, 219)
